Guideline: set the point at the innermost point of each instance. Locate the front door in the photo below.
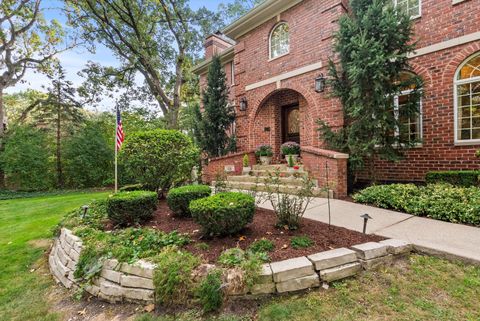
(291, 124)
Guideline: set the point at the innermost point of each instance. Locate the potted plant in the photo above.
(290, 163)
(246, 165)
(265, 153)
(290, 149)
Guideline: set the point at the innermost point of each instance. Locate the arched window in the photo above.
(467, 101)
(279, 40)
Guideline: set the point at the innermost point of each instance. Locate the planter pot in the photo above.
(265, 160)
(290, 169)
(294, 158)
(246, 170)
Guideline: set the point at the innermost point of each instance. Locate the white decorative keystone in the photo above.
(332, 258)
(370, 250)
(291, 269)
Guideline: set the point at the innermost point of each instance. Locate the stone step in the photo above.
(294, 181)
(285, 173)
(273, 167)
(261, 187)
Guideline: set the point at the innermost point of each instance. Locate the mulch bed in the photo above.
(263, 226)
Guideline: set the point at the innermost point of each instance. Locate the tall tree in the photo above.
(151, 37)
(57, 110)
(218, 115)
(372, 47)
(233, 10)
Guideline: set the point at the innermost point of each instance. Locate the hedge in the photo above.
(178, 199)
(438, 201)
(130, 208)
(457, 178)
(224, 213)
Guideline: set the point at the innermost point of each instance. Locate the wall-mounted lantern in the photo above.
(243, 104)
(320, 83)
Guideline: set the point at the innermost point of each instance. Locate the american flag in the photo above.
(120, 135)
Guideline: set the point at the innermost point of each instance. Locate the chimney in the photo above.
(216, 43)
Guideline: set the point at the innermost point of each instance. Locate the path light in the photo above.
(243, 104)
(320, 83)
(85, 210)
(365, 217)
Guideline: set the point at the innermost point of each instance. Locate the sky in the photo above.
(75, 60)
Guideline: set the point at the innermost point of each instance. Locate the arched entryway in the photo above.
(280, 118)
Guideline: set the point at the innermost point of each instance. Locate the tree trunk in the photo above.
(59, 151)
(2, 136)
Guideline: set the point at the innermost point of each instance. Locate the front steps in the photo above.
(290, 181)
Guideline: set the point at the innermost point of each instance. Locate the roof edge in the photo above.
(225, 56)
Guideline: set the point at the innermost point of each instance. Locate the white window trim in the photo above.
(419, 9)
(456, 83)
(270, 58)
(396, 112)
(232, 73)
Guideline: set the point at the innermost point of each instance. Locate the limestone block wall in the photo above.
(120, 282)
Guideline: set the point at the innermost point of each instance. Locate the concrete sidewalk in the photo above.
(453, 241)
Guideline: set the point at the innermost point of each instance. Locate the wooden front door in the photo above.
(291, 124)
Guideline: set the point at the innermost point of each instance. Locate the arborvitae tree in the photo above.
(372, 47)
(218, 115)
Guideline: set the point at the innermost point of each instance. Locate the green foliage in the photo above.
(249, 262)
(246, 160)
(210, 293)
(439, 201)
(224, 213)
(262, 245)
(218, 115)
(290, 148)
(456, 178)
(129, 208)
(232, 257)
(301, 242)
(159, 158)
(132, 187)
(96, 217)
(179, 198)
(264, 150)
(25, 159)
(291, 163)
(172, 277)
(367, 78)
(88, 157)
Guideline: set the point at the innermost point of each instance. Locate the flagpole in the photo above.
(116, 149)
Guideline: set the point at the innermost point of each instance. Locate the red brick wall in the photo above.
(312, 24)
(217, 165)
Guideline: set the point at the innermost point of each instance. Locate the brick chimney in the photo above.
(217, 43)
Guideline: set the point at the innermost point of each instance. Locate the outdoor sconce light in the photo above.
(365, 217)
(320, 83)
(243, 104)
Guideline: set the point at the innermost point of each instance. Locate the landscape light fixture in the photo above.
(243, 104)
(85, 210)
(365, 217)
(320, 83)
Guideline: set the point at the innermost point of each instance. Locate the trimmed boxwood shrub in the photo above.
(224, 213)
(179, 198)
(438, 201)
(129, 208)
(132, 187)
(457, 178)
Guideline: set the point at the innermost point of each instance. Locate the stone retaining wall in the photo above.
(133, 282)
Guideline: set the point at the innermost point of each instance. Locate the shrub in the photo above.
(159, 158)
(301, 242)
(172, 277)
(224, 213)
(457, 178)
(129, 208)
(246, 160)
(264, 150)
(262, 245)
(179, 199)
(132, 188)
(439, 201)
(210, 292)
(249, 262)
(232, 257)
(290, 148)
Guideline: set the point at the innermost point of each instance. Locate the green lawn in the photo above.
(21, 221)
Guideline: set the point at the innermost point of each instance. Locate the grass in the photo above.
(22, 293)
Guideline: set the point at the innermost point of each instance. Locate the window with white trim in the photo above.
(411, 7)
(467, 101)
(411, 125)
(279, 40)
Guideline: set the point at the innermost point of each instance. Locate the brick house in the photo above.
(274, 53)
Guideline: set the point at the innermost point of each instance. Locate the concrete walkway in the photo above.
(453, 241)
